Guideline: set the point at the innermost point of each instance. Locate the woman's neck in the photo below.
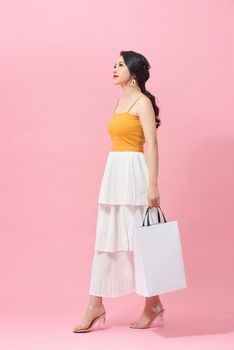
(129, 91)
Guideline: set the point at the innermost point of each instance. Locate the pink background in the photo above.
(57, 96)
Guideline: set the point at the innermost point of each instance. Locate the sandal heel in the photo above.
(160, 319)
(101, 320)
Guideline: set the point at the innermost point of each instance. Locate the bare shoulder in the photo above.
(144, 105)
(144, 101)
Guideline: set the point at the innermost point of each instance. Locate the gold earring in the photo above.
(133, 82)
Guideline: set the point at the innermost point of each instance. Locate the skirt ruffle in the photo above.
(115, 226)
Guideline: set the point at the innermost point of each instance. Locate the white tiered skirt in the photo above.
(122, 203)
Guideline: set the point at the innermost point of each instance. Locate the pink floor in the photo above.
(193, 320)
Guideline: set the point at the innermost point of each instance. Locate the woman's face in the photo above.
(121, 74)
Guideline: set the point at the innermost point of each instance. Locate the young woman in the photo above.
(129, 185)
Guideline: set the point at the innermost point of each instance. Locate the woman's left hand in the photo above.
(153, 196)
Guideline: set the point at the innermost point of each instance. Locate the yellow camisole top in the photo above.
(126, 131)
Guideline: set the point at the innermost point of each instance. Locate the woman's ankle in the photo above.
(95, 306)
(95, 302)
(153, 302)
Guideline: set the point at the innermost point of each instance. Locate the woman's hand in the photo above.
(153, 196)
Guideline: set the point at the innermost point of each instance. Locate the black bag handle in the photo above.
(147, 214)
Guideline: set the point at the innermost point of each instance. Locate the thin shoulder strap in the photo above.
(116, 105)
(133, 103)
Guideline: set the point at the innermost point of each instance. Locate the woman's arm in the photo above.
(147, 118)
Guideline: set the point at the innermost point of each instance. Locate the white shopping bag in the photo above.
(158, 259)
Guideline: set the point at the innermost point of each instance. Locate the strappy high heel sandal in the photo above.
(100, 319)
(157, 320)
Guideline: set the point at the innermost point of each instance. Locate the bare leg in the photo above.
(94, 309)
(95, 301)
(153, 301)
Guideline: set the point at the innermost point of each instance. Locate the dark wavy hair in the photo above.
(139, 66)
